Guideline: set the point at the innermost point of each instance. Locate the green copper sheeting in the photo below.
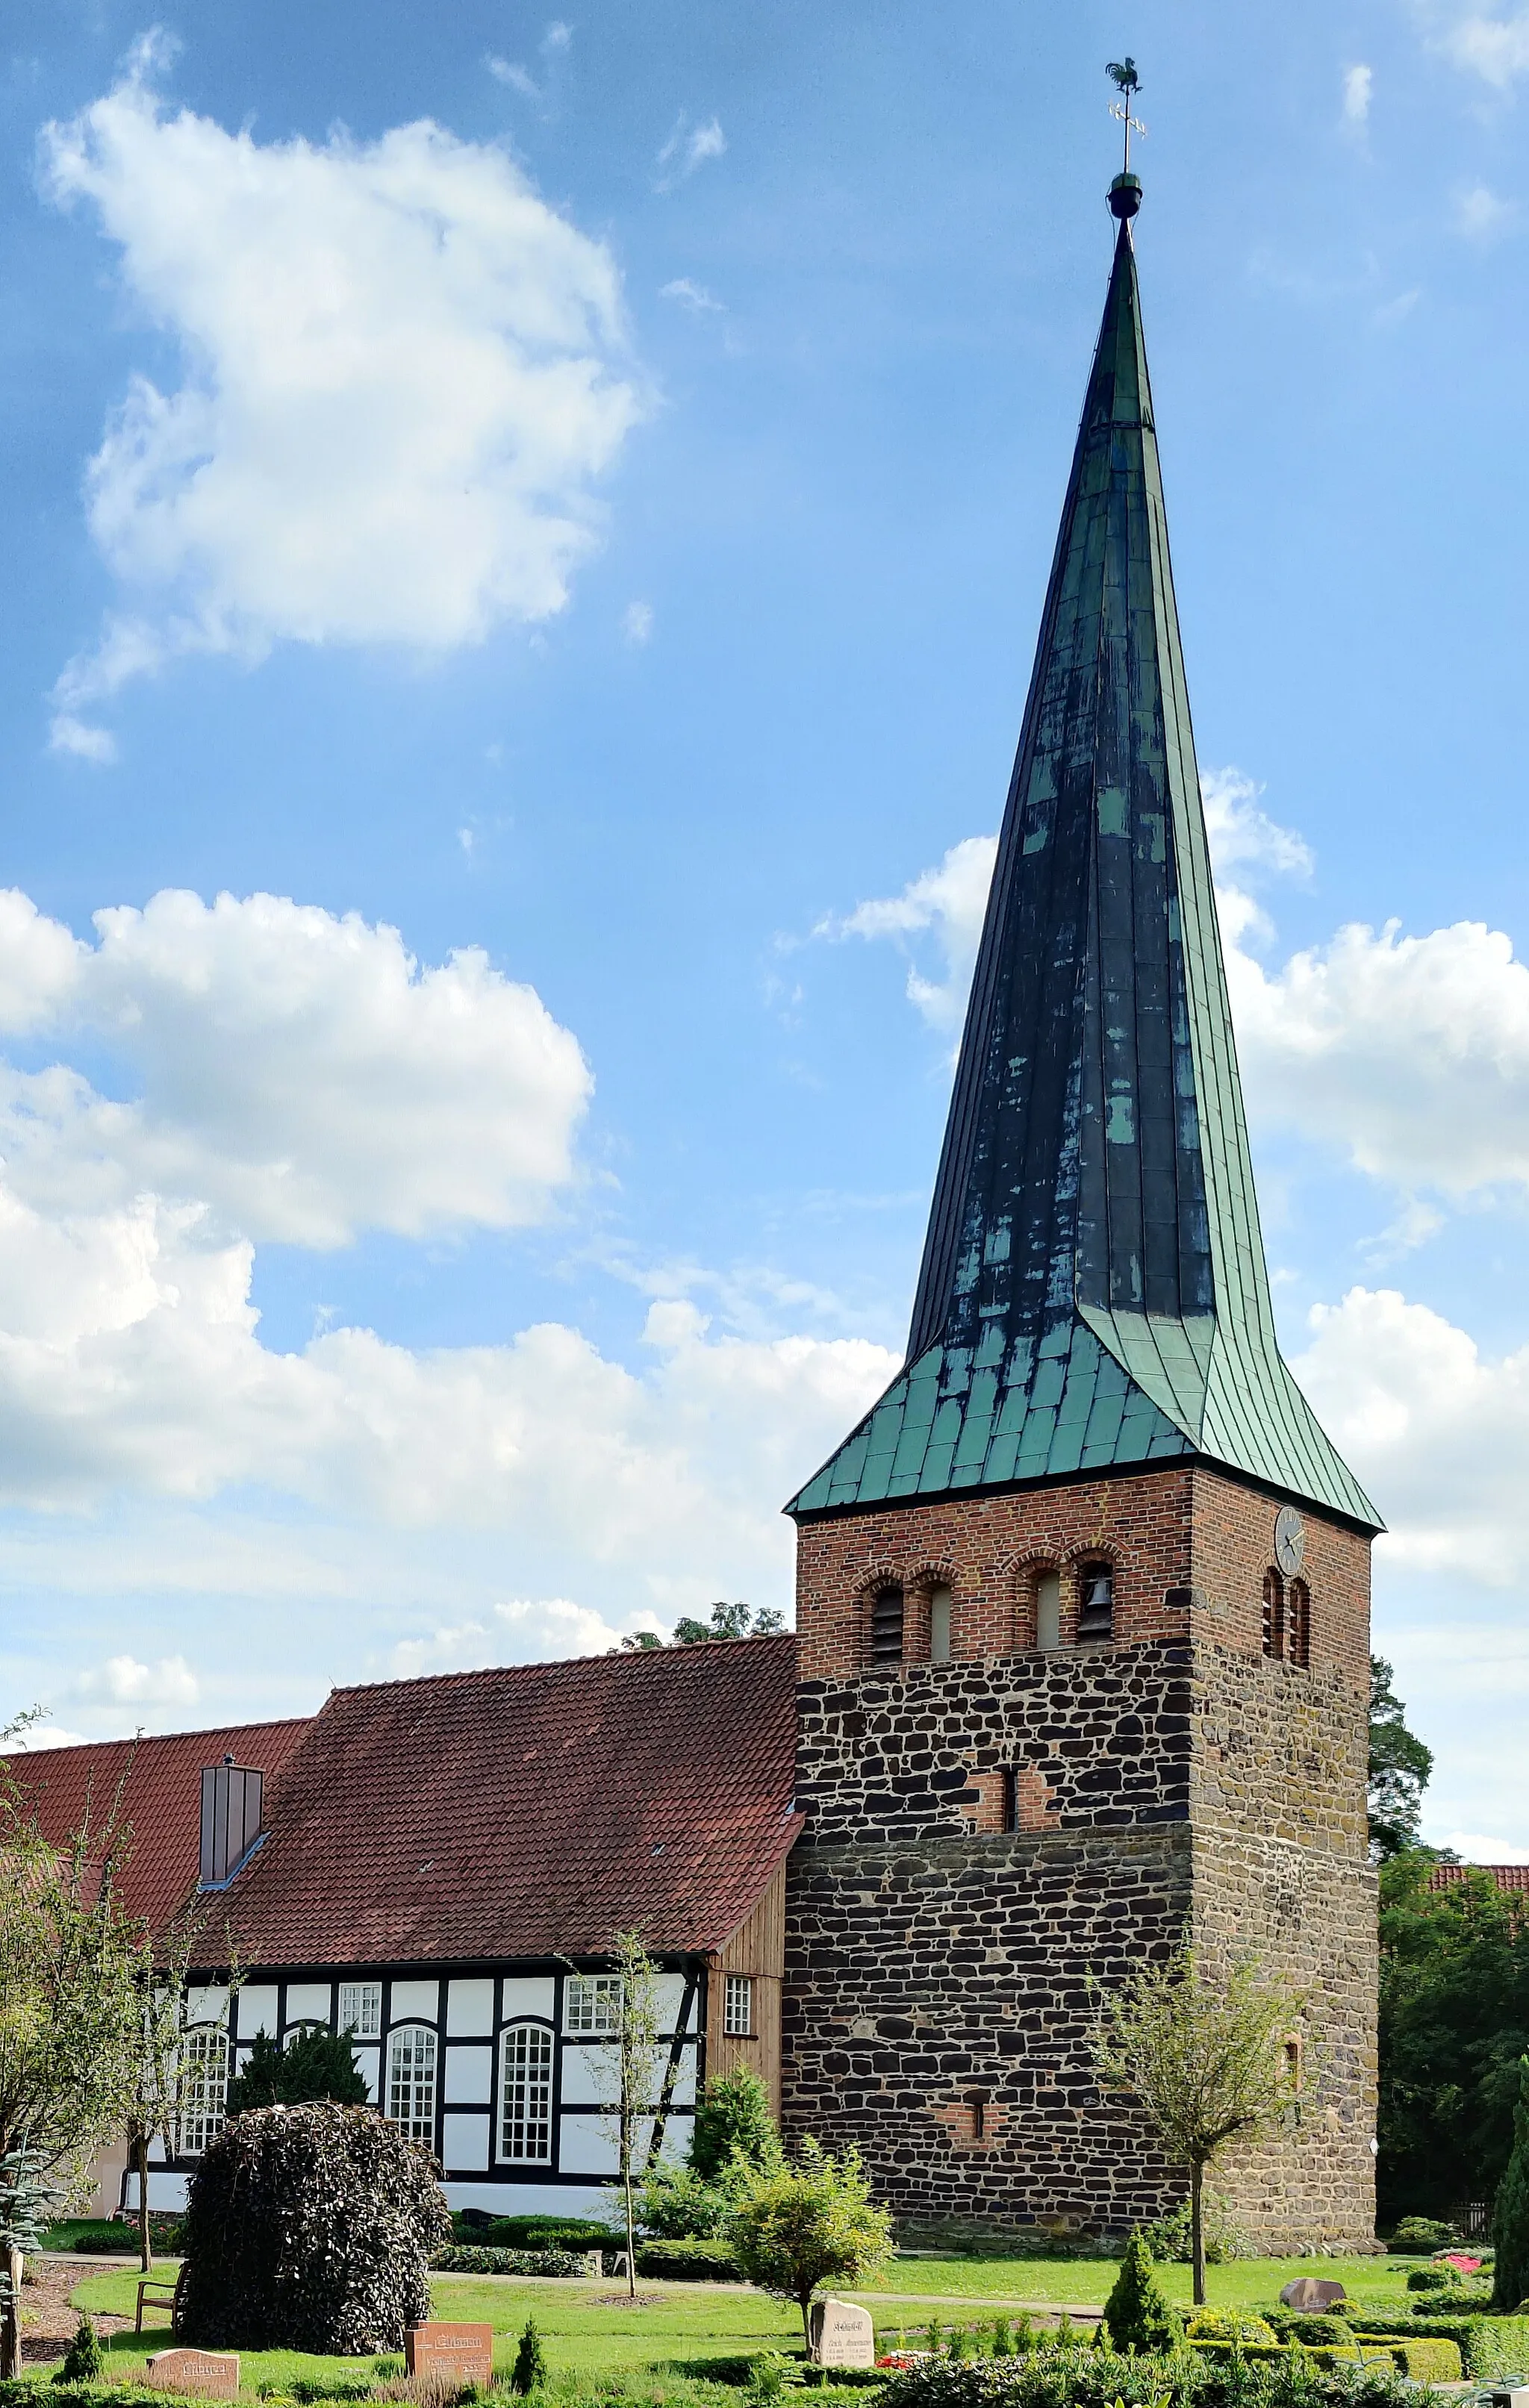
(1093, 1293)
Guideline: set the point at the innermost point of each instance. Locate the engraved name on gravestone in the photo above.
(211, 2374)
(841, 2335)
(462, 2352)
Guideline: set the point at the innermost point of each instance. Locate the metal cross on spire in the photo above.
(1122, 74)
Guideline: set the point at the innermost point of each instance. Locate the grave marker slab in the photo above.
(1311, 2295)
(838, 2334)
(459, 2353)
(210, 2375)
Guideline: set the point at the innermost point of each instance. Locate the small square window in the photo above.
(738, 2006)
(361, 2009)
(594, 2002)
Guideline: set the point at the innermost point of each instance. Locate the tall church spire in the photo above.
(1093, 1293)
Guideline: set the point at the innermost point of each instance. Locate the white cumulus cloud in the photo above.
(1493, 46)
(401, 374)
(122, 1681)
(300, 1075)
(688, 147)
(1480, 214)
(1358, 86)
(949, 903)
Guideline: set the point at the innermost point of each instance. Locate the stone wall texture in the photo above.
(990, 1837)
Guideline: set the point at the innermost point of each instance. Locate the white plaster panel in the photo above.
(469, 2007)
(308, 2002)
(256, 2010)
(366, 2062)
(528, 1993)
(464, 2142)
(530, 2199)
(470, 2073)
(209, 2005)
(590, 2073)
(668, 1996)
(587, 2144)
(684, 2092)
(415, 2001)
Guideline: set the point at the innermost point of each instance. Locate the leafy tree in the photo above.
(1454, 2024)
(530, 2368)
(75, 1970)
(729, 1622)
(1203, 2053)
(1510, 2217)
(734, 2119)
(1137, 2312)
(318, 2064)
(1399, 1767)
(638, 2081)
(796, 2226)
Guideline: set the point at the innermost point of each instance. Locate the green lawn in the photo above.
(589, 2329)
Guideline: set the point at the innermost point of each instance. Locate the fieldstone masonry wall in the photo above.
(937, 1995)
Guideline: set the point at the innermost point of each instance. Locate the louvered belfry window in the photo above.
(887, 1627)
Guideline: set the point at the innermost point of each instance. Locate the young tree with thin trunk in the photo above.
(75, 1969)
(1210, 2056)
(638, 2080)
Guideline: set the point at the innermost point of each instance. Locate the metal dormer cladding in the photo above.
(1093, 1295)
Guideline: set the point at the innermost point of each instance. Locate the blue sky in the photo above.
(526, 540)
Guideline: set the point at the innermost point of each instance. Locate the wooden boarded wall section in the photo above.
(758, 1948)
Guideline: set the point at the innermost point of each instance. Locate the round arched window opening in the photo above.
(1095, 1603)
(886, 1625)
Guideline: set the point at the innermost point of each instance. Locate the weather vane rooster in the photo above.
(1128, 83)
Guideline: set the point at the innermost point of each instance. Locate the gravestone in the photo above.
(211, 2374)
(1312, 2296)
(451, 2353)
(841, 2335)
(594, 2264)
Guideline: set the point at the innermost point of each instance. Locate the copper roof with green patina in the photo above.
(1093, 1295)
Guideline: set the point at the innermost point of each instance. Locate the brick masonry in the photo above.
(938, 1995)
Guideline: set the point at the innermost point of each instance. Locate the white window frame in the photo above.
(413, 2080)
(593, 2004)
(527, 2056)
(738, 2006)
(203, 2088)
(361, 2009)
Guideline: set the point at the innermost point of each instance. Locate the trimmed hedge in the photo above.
(547, 2263)
(1262, 2377)
(475, 2229)
(688, 2261)
(310, 2227)
(1489, 2346)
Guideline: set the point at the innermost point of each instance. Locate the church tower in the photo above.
(1083, 1603)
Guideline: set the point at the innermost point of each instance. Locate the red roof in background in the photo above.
(532, 1811)
(160, 1798)
(1505, 1876)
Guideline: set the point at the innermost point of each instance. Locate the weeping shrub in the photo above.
(310, 2227)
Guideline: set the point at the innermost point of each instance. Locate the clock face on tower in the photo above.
(1290, 1539)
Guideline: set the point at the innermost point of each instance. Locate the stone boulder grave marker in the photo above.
(1311, 2295)
(210, 2375)
(838, 2334)
(455, 2352)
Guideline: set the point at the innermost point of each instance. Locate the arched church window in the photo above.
(886, 1625)
(1298, 1623)
(1273, 1614)
(1095, 1603)
(939, 1626)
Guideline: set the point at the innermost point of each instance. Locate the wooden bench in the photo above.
(155, 2292)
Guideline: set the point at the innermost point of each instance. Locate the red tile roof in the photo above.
(160, 1798)
(533, 1811)
(1505, 1876)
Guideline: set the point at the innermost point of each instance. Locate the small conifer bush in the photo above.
(310, 2227)
(85, 2361)
(1136, 2313)
(530, 2368)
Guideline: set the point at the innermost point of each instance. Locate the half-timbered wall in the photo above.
(462, 2021)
